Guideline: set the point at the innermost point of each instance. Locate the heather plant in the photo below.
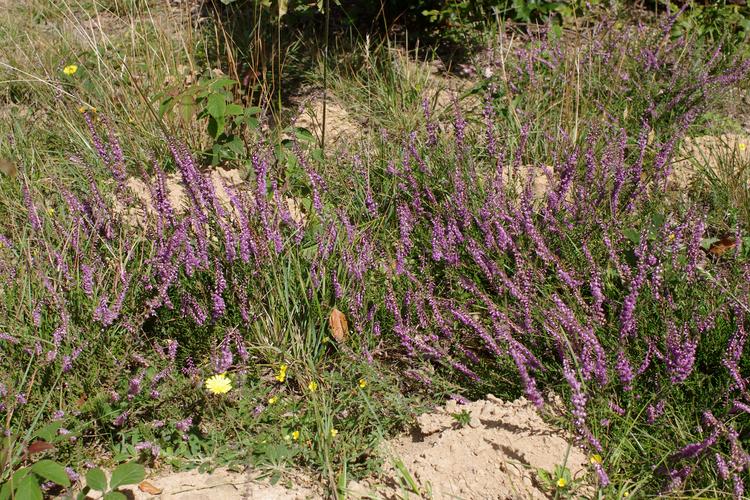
(534, 251)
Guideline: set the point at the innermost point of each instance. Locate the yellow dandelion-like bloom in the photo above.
(295, 435)
(596, 459)
(273, 400)
(362, 383)
(561, 483)
(70, 69)
(50, 211)
(671, 237)
(742, 147)
(334, 432)
(282, 373)
(219, 384)
(313, 386)
(625, 494)
(82, 109)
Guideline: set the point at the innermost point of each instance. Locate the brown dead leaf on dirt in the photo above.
(149, 488)
(721, 247)
(339, 326)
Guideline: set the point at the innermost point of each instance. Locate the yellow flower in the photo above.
(625, 494)
(742, 147)
(362, 383)
(671, 237)
(596, 459)
(219, 384)
(282, 373)
(273, 400)
(295, 435)
(70, 69)
(334, 432)
(50, 211)
(561, 483)
(313, 386)
(325, 340)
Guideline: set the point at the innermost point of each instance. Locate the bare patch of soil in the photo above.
(339, 127)
(226, 485)
(719, 155)
(496, 455)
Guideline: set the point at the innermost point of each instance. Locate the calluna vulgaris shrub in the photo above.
(439, 249)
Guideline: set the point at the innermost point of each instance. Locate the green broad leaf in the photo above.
(51, 471)
(235, 145)
(234, 109)
(83, 493)
(127, 473)
(187, 110)
(222, 83)
(303, 134)
(5, 491)
(252, 110)
(632, 235)
(115, 495)
(28, 489)
(215, 126)
(217, 105)
(96, 480)
(165, 105)
(707, 242)
(49, 432)
(251, 122)
(658, 219)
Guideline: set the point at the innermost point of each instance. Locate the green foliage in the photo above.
(462, 418)
(123, 475)
(212, 100)
(25, 483)
(714, 21)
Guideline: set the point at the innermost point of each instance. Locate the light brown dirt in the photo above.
(497, 455)
(718, 155)
(137, 213)
(223, 484)
(339, 126)
(175, 193)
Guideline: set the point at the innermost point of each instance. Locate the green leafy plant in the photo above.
(462, 418)
(212, 100)
(559, 481)
(716, 21)
(25, 484)
(124, 474)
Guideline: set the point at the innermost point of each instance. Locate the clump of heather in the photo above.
(571, 271)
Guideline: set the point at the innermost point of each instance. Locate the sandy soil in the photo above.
(496, 455)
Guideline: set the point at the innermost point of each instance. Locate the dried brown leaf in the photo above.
(39, 446)
(149, 488)
(720, 247)
(339, 326)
